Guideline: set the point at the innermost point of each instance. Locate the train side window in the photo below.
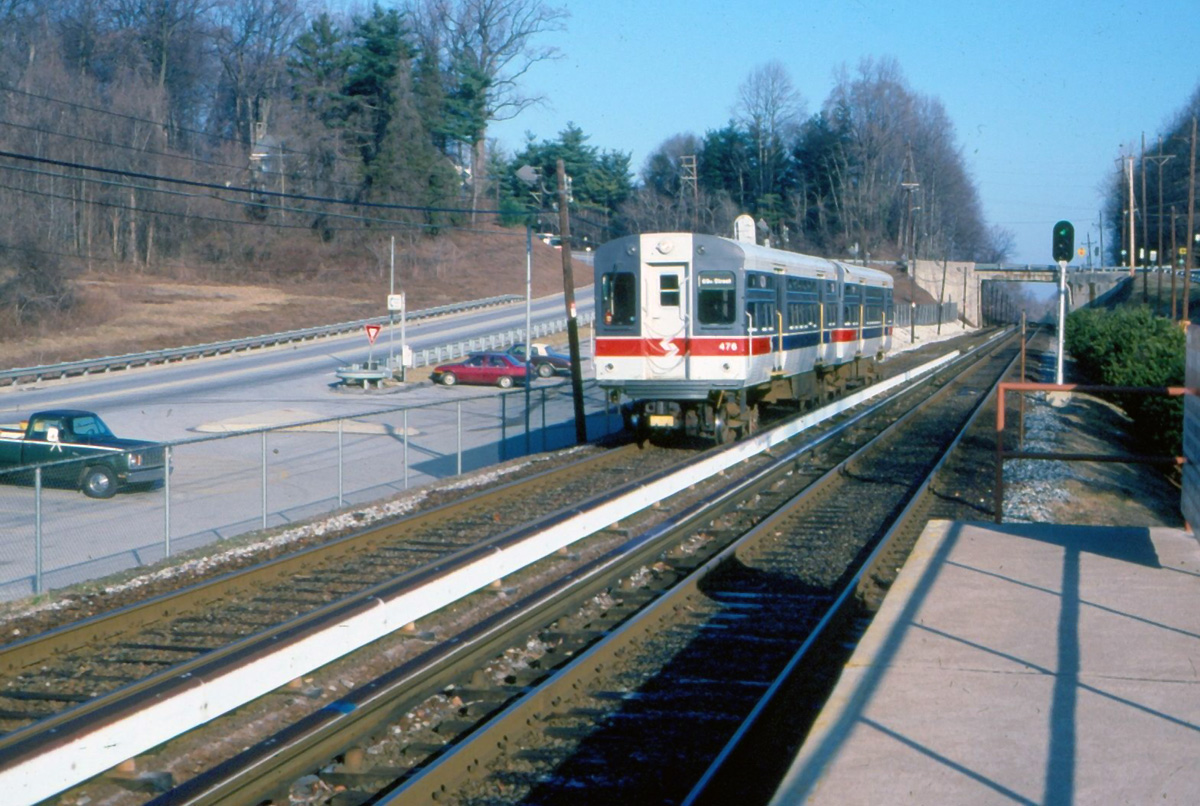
(763, 315)
(668, 290)
(802, 315)
(831, 314)
(618, 297)
(717, 299)
(873, 314)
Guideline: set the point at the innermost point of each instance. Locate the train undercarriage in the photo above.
(725, 416)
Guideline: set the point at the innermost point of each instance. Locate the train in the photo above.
(694, 333)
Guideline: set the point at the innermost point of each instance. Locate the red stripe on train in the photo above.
(700, 346)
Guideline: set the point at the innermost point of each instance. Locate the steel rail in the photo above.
(723, 775)
(166, 356)
(488, 744)
(34, 747)
(261, 770)
(105, 627)
(73, 727)
(264, 769)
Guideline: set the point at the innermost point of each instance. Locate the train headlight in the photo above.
(608, 367)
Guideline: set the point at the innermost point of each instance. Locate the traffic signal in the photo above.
(1064, 241)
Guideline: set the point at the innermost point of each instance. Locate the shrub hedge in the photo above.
(1133, 347)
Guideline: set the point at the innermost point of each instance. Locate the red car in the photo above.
(500, 369)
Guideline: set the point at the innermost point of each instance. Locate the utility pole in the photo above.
(1160, 159)
(1191, 241)
(1145, 225)
(1174, 252)
(1132, 211)
(910, 186)
(689, 181)
(564, 226)
(964, 310)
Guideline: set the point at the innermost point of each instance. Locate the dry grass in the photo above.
(124, 313)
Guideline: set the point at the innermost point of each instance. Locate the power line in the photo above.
(240, 189)
(249, 205)
(150, 151)
(157, 123)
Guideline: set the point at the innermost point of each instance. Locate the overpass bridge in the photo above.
(975, 287)
(1084, 286)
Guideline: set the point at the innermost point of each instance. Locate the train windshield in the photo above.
(618, 298)
(717, 303)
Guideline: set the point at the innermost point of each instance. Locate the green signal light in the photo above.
(1064, 241)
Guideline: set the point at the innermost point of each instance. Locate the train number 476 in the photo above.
(727, 346)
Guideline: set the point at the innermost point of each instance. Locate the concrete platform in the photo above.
(1020, 664)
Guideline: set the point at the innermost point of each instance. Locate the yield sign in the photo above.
(372, 332)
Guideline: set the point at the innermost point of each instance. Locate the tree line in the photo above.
(135, 134)
(1156, 180)
(875, 173)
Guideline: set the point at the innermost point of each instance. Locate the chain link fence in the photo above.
(926, 314)
(269, 479)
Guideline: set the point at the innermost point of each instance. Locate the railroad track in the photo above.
(200, 626)
(470, 697)
(643, 714)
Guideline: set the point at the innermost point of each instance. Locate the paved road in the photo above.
(217, 485)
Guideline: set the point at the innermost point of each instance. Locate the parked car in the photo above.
(500, 369)
(104, 461)
(545, 361)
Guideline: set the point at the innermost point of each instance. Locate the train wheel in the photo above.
(641, 435)
(751, 426)
(721, 434)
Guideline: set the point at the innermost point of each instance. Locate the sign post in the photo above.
(1064, 245)
(395, 302)
(372, 334)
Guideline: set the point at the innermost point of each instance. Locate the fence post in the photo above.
(264, 479)
(404, 424)
(167, 500)
(458, 406)
(37, 530)
(341, 486)
(503, 423)
(543, 420)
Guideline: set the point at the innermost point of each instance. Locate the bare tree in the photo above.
(489, 46)
(771, 109)
(172, 38)
(253, 38)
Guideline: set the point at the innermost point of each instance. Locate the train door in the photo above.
(665, 325)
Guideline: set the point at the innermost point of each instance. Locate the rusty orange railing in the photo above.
(1021, 386)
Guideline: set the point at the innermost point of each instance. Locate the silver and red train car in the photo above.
(695, 332)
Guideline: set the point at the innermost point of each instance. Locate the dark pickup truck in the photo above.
(103, 462)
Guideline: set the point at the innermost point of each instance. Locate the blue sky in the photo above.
(1043, 95)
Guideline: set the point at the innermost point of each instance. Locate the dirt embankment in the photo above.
(115, 313)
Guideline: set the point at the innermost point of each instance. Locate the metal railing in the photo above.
(119, 362)
(925, 314)
(1003, 454)
(496, 341)
(289, 480)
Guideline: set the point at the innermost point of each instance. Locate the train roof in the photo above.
(762, 258)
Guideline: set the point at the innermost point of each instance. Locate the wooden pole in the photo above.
(1145, 231)
(1174, 252)
(564, 226)
(1191, 241)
